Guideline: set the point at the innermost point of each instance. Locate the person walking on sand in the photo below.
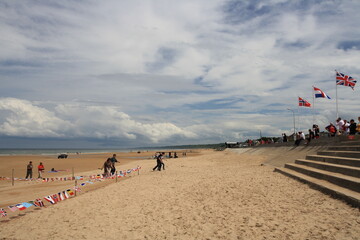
(113, 161)
(41, 169)
(29, 168)
(107, 167)
(159, 162)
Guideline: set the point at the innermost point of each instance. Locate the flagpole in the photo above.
(337, 109)
(298, 119)
(313, 95)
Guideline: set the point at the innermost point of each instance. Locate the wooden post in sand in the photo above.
(116, 176)
(12, 177)
(73, 176)
(75, 187)
(138, 170)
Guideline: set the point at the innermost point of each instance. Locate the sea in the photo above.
(32, 151)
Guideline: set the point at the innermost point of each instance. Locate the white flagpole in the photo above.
(313, 95)
(299, 127)
(337, 111)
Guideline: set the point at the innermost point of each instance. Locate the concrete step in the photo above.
(336, 168)
(351, 197)
(341, 180)
(348, 154)
(350, 143)
(355, 162)
(344, 148)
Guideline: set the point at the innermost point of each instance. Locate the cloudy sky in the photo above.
(86, 73)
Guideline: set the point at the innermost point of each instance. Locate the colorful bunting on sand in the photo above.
(49, 199)
(20, 207)
(70, 192)
(26, 204)
(63, 195)
(39, 203)
(3, 212)
(13, 208)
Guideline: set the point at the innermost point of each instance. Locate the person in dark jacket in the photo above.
(29, 169)
(352, 127)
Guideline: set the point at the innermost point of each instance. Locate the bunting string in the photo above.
(63, 195)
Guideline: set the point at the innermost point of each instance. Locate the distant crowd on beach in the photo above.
(341, 127)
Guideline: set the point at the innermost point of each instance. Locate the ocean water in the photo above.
(25, 151)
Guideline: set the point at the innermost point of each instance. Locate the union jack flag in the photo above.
(304, 103)
(345, 80)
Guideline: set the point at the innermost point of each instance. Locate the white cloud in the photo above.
(25, 119)
(21, 118)
(200, 66)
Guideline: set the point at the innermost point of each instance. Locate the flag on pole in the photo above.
(304, 103)
(3, 212)
(345, 80)
(320, 94)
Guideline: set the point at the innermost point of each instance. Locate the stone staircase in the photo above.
(335, 171)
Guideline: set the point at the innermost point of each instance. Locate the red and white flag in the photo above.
(66, 195)
(61, 196)
(3, 212)
(55, 198)
(303, 103)
(49, 199)
(20, 207)
(39, 203)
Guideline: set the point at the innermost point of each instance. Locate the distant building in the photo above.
(232, 144)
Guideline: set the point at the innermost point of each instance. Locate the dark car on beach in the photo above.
(63, 155)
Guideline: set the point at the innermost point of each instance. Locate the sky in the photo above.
(131, 73)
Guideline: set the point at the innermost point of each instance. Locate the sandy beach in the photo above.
(231, 194)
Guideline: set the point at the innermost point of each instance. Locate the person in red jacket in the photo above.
(41, 169)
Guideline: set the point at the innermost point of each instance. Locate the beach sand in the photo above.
(227, 194)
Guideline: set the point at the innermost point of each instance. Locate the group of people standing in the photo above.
(343, 127)
(313, 133)
(29, 170)
(109, 166)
